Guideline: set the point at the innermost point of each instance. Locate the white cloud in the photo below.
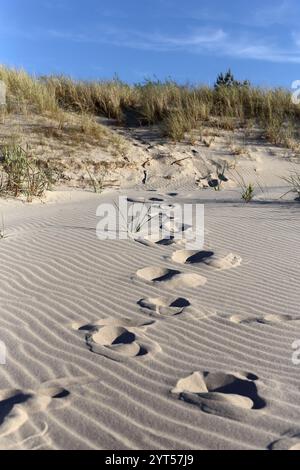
(260, 50)
(148, 41)
(201, 41)
(192, 40)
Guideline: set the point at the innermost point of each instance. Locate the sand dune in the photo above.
(124, 345)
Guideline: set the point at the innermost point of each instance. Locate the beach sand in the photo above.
(118, 344)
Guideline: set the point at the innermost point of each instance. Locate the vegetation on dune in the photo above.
(177, 108)
(21, 174)
(293, 181)
(72, 109)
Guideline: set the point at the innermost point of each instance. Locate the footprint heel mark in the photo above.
(119, 340)
(170, 278)
(115, 338)
(17, 405)
(164, 306)
(12, 414)
(222, 394)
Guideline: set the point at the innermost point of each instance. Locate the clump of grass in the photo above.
(108, 98)
(2, 230)
(96, 180)
(248, 193)
(156, 99)
(138, 217)
(26, 93)
(22, 175)
(91, 128)
(282, 133)
(176, 125)
(293, 181)
(247, 189)
(273, 131)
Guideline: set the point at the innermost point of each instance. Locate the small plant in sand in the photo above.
(95, 181)
(247, 189)
(139, 216)
(294, 182)
(248, 193)
(2, 230)
(21, 174)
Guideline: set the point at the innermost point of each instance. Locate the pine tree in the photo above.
(228, 80)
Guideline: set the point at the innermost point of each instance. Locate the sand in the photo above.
(144, 344)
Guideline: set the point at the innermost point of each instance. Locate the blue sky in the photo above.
(188, 40)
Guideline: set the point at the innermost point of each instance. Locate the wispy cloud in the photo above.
(148, 41)
(244, 45)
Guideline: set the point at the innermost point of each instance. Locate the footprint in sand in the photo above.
(270, 319)
(223, 394)
(290, 441)
(164, 306)
(206, 257)
(228, 262)
(191, 256)
(17, 405)
(119, 340)
(170, 278)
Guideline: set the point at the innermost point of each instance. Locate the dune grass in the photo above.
(21, 174)
(177, 108)
(293, 181)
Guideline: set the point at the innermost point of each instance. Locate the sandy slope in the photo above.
(101, 357)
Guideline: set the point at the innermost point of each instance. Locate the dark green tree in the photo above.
(228, 80)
